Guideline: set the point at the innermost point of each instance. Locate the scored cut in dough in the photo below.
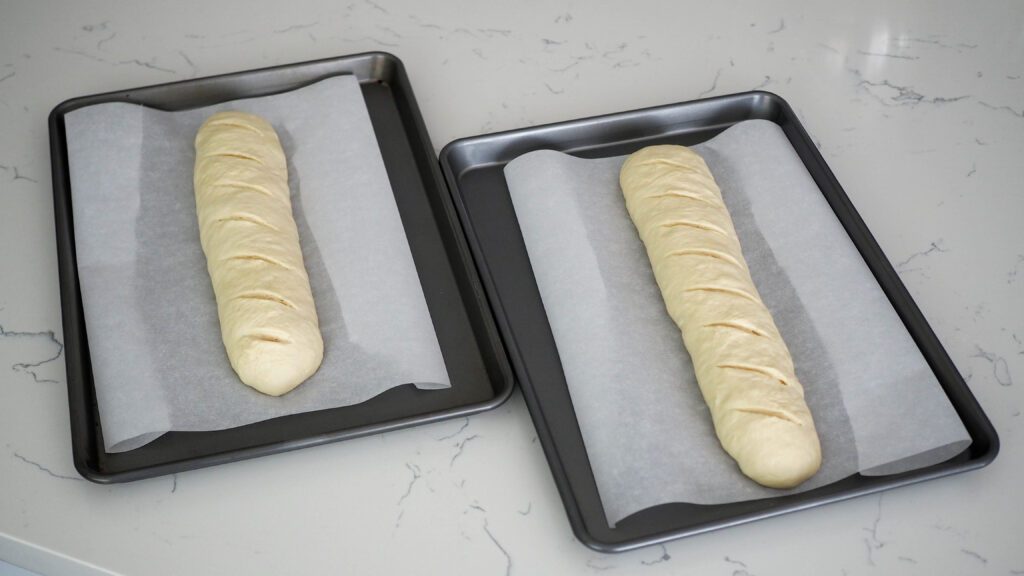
(743, 367)
(267, 315)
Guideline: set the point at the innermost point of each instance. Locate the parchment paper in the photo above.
(877, 406)
(157, 357)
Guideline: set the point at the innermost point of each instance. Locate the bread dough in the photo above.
(743, 367)
(267, 315)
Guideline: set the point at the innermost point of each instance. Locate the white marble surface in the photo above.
(918, 107)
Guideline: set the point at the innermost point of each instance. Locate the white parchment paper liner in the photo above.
(877, 406)
(157, 357)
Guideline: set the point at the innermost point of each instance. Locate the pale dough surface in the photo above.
(267, 315)
(742, 365)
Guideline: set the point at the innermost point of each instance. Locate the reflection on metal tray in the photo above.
(480, 375)
(474, 167)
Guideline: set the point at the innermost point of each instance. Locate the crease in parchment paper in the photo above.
(158, 360)
(647, 431)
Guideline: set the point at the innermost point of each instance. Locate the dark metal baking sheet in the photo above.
(473, 168)
(477, 365)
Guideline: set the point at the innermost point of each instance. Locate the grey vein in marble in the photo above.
(96, 27)
(665, 557)
(508, 557)
(390, 31)
(1000, 370)
(739, 563)
(102, 41)
(461, 446)
(714, 85)
(492, 32)
(742, 570)
(29, 367)
(617, 50)
(1006, 108)
(526, 512)
(419, 22)
(7, 76)
(959, 46)
(195, 70)
(780, 28)
(379, 41)
(905, 95)
(135, 61)
(45, 469)
(932, 248)
(16, 174)
(465, 31)
(577, 60)
(294, 27)
(465, 424)
(948, 528)
(975, 555)
(871, 542)
(887, 55)
(906, 559)
(145, 64)
(593, 565)
(416, 475)
(646, 53)
(376, 6)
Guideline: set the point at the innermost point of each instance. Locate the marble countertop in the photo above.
(918, 109)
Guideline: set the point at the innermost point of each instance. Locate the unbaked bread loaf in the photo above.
(743, 367)
(267, 315)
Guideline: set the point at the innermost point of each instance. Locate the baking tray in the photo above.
(480, 375)
(473, 169)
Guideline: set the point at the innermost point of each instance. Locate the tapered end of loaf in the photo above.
(779, 454)
(275, 368)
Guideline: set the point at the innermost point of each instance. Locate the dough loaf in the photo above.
(267, 315)
(742, 365)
